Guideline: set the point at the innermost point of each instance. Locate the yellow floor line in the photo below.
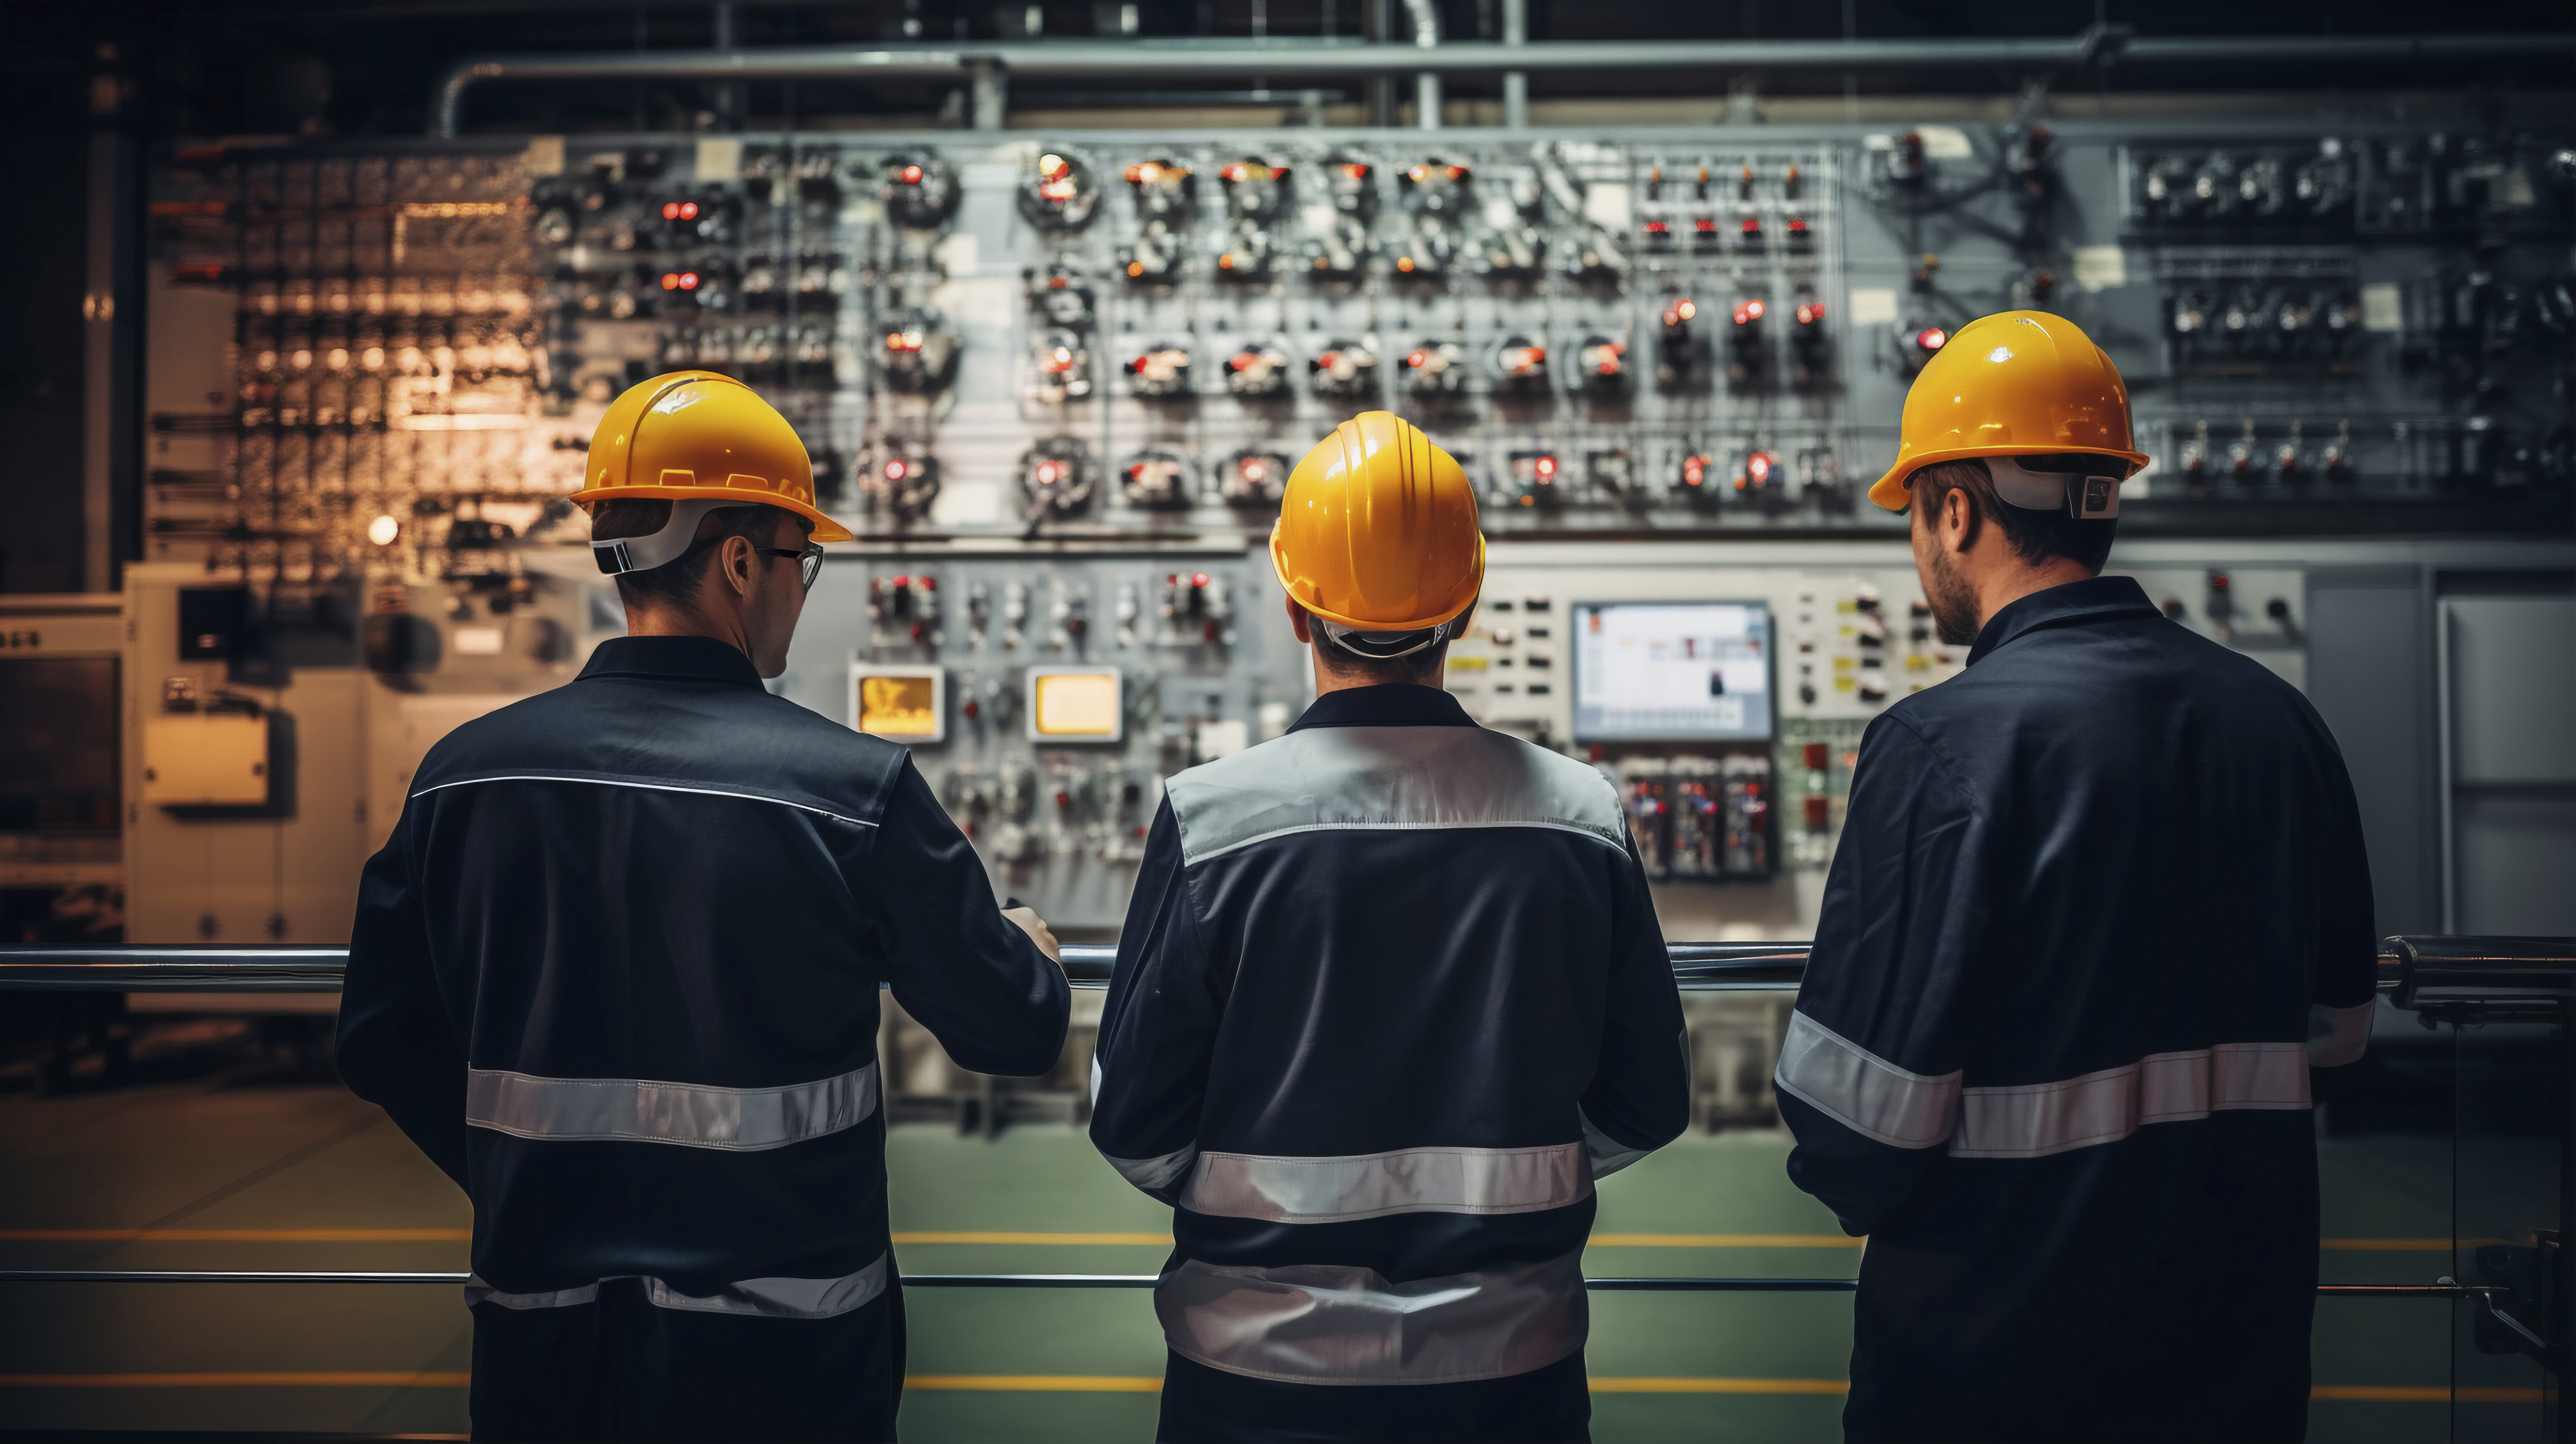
(1037, 1383)
(237, 1235)
(307, 1380)
(2421, 1394)
(1156, 1240)
(1719, 1386)
(1723, 1240)
(1135, 1384)
(1141, 1240)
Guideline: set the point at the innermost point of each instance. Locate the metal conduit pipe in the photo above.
(1167, 61)
(1516, 82)
(1426, 86)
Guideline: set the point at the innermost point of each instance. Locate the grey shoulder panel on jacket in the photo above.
(1388, 779)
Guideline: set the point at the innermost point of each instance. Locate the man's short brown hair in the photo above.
(675, 583)
(2037, 536)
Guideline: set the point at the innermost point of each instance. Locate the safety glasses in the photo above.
(809, 560)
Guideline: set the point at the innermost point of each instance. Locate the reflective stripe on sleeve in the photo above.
(1153, 1173)
(2337, 1036)
(1862, 1091)
(1374, 1185)
(2039, 1119)
(1336, 1324)
(778, 1298)
(691, 1115)
(1608, 1154)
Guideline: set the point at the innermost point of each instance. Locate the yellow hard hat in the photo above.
(1377, 531)
(2017, 383)
(697, 435)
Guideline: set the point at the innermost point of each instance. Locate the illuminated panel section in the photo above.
(1672, 672)
(1075, 704)
(900, 704)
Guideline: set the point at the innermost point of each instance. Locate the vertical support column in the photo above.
(730, 97)
(992, 95)
(1378, 20)
(1516, 82)
(109, 314)
(1426, 86)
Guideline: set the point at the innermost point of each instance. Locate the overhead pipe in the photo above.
(1516, 82)
(1164, 61)
(1426, 86)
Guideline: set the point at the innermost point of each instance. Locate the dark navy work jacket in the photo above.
(616, 972)
(1390, 996)
(2099, 904)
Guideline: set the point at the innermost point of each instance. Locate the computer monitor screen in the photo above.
(1672, 672)
(1074, 704)
(905, 704)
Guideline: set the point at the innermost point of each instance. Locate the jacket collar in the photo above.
(690, 659)
(1389, 704)
(2095, 599)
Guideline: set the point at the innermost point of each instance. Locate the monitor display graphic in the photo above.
(1672, 672)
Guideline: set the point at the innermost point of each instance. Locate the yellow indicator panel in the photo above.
(900, 704)
(1074, 704)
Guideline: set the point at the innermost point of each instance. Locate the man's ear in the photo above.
(1959, 518)
(1299, 622)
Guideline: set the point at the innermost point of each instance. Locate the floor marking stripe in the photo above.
(1037, 1383)
(1155, 1240)
(237, 1235)
(406, 1379)
(1138, 1384)
(2421, 1394)
(1140, 1240)
(1719, 1386)
(1723, 1240)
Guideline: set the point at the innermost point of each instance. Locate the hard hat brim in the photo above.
(825, 529)
(1892, 492)
(1279, 569)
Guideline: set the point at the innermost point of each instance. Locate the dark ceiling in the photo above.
(354, 67)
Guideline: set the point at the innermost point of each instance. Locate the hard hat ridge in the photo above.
(2017, 383)
(702, 435)
(1377, 531)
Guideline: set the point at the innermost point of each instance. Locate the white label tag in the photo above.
(2101, 268)
(544, 155)
(1605, 204)
(1872, 306)
(960, 253)
(1944, 142)
(719, 159)
(2383, 307)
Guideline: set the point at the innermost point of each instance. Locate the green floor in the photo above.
(292, 1163)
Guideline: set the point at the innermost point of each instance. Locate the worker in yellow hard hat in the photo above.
(1391, 994)
(2098, 905)
(617, 971)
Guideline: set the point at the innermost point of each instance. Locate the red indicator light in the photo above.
(1708, 225)
(1931, 338)
(1048, 472)
(1657, 228)
(670, 210)
(912, 175)
(1135, 268)
(1198, 579)
(1546, 467)
(1225, 262)
(688, 210)
(688, 280)
(1810, 312)
(1680, 311)
(1757, 468)
(1753, 225)
(670, 280)
(1404, 263)
(1417, 359)
(1747, 312)
(896, 470)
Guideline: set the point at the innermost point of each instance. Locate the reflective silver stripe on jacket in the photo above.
(1333, 1324)
(1862, 1091)
(1608, 1154)
(1388, 779)
(1374, 1185)
(2038, 1119)
(647, 787)
(1151, 1173)
(691, 1115)
(756, 1298)
(2337, 1036)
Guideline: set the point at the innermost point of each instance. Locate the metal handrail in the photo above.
(2408, 966)
(288, 968)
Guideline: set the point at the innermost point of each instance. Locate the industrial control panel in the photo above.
(1058, 382)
